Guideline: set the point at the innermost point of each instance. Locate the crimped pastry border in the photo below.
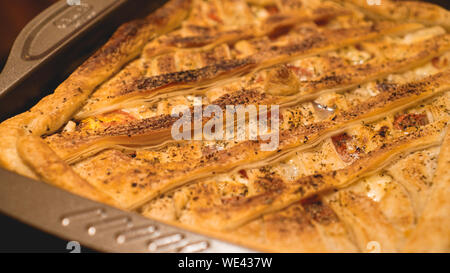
(23, 151)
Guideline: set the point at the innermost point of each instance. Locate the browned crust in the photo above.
(365, 221)
(294, 228)
(163, 177)
(150, 131)
(209, 40)
(432, 233)
(262, 2)
(68, 144)
(189, 76)
(327, 40)
(309, 226)
(278, 194)
(271, 54)
(420, 139)
(363, 73)
(406, 11)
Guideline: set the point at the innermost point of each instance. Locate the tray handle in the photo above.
(95, 225)
(48, 33)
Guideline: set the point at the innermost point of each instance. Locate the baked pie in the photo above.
(362, 87)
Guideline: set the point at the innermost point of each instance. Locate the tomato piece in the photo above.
(340, 143)
(272, 9)
(213, 16)
(279, 31)
(243, 173)
(406, 121)
(300, 71)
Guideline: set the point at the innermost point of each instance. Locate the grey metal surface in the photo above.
(50, 31)
(95, 225)
(56, 211)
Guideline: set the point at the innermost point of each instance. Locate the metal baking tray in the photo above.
(48, 49)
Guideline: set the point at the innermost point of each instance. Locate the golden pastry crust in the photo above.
(50, 168)
(364, 107)
(433, 229)
(406, 11)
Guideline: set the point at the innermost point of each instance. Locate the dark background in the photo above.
(17, 237)
(14, 236)
(14, 15)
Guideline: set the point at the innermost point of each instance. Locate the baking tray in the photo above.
(48, 49)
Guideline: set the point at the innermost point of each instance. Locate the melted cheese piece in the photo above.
(377, 186)
(423, 34)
